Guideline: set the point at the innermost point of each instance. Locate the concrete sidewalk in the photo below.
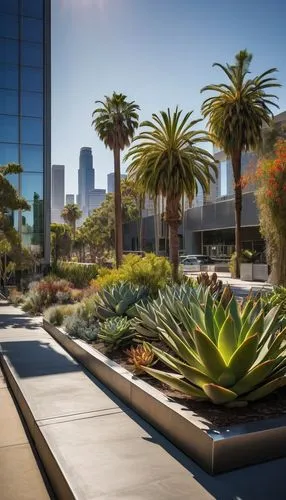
(93, 446)
(20, 478)
(240, 288)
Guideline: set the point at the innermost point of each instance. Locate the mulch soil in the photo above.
(272, 406)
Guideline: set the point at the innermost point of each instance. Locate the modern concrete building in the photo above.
(110, 181)
(69, 199)
(95, 198)
(58, 192)
(85, 178)
(25, 118)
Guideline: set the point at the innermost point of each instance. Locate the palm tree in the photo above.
(236, 115)
(71, 213)
(116, 122)
(167, 160)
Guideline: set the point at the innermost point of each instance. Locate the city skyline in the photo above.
(168, 50)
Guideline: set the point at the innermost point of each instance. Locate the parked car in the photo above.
(197, 259)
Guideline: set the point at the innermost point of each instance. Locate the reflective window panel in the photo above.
(9, 153)
(32, 158)
(9, 128)
(9, 26)
(33, 220)
(8, 76)
(32, 8)
(32, 185)
(32, 104)
(9, 6)
(32, 29)
(32, 79)
(8, 102)
(32, 54)
(32, 131)
(9, 51)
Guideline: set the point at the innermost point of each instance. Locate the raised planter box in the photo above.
(253, 272)
(216, 450)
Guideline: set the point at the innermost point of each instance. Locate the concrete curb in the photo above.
(216, 450)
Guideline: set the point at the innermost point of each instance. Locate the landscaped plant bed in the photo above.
(219, 439)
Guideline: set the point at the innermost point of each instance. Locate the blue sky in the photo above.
(158, 52)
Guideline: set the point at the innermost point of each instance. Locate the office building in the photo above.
(95, 198)
(70, 199)
(25, 113)
(85, 178)
(110, 181)
(58, 192)
(208, 227)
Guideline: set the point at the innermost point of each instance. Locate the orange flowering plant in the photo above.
(271, 200)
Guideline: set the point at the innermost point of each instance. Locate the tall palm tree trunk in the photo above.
(156, 228)
(173, 221)
(236, 164)
(140, 222)
(118, 210)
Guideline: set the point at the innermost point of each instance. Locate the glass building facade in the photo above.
(25, 113)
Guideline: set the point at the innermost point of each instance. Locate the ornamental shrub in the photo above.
(78, 274)
(151, 272)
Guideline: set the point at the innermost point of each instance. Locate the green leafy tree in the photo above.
(115, 123)
(71, 213)
(236, 114)
(166, 160)
(98, 229)
(61, 241)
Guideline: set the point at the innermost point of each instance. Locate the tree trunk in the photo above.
(156, 229)
(173, 220)
(236, 165)
(140, 223)
(117, 207)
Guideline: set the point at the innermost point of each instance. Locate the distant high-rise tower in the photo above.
(69, 199)
(85, 178)
(95, 198)
(58, 192)
(110, 181)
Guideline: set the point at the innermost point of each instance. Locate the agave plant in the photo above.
(210, 281)
(146, 322)
(228, 354)
(139, 356)
(115, 332)
(118, 300)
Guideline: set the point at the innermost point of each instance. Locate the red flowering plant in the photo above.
(271, 200)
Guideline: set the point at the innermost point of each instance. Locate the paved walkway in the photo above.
(240, 288)
(20, 477)
(104, 449)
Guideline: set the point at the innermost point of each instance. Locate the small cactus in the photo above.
(139, 356)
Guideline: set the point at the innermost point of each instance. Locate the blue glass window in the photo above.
(32, 29)
(9, 26)
(9, 51)
(8, 128)
(9, 102)
(9, 154)
(32, 79)
(32, 184)
(31, 131)
(32, 158)
(9, 6)
(32, 54)
(32, 8)
(8, 76)
(32, 104)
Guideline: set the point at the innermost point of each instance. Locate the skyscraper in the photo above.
(85, 178)
(95, 198)
(110, 181)
(25, 112)
(58, 192)
(69, 199)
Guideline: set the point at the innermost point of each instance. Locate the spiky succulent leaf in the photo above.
(219, 395)
(176, 382)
